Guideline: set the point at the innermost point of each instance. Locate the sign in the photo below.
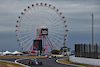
(37, 45)
(44, 31)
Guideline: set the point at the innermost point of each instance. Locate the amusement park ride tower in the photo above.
(41, 27)
(42, 34)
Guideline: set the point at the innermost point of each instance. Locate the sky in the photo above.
(77, 14)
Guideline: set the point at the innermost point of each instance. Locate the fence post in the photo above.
(75, 50)
(90, 50)
(81, 50)
(84, 50)
(96, 51)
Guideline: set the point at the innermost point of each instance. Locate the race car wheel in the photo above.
(34, 63)
(40, 63)
(30, 62)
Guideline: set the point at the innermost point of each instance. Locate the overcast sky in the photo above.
(77, 13)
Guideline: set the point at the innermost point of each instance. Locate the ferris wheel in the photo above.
(45, 18)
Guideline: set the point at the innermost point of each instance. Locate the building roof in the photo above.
(6, 52)
(16, 52)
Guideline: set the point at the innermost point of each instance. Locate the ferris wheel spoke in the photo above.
(29, 46)
(25, 29)
(52, 40)
(27, 39)
(28, 18)
(57, 26)
(38, 13)
(27, 35)
(58, 35)
(54, 16)
(58, 40)
(33, 18)
(55, 21)
(25, 21)
(33, 15)
(35, 12)
(27, 43)
(58, 32)
(48, 15)
(55, 36)
(57, 29)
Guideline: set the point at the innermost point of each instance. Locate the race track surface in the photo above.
(46, 62)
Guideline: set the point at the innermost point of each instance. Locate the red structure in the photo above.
(46, 43)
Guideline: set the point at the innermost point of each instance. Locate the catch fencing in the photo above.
(84, 50)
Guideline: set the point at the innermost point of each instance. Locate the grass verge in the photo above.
(8, 64)
(67, 61)
(15, 56)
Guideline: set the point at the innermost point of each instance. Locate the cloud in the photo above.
(7, 29)
(76, 12)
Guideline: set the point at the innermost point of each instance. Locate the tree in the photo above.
(55, 51)
(62, 48)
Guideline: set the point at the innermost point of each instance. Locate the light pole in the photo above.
(92, 31)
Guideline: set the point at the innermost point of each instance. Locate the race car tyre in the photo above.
(40, 63)
(34, 63)
(30, 62)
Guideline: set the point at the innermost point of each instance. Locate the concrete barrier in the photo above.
(82, 60)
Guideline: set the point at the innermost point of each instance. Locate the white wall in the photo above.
(84, 60)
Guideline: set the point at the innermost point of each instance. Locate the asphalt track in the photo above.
(49, 63)
(46, 62)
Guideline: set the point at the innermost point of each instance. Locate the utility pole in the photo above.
(92, 31)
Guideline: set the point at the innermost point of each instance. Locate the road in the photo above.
(46, 62)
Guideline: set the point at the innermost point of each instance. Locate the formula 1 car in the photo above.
(34, 62)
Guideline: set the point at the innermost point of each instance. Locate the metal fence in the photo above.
(84, 50)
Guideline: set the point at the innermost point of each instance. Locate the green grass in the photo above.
(67, 61)
(8, 64)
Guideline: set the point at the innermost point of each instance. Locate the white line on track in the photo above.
(23, 59)
(68, 63)
(20, 63)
